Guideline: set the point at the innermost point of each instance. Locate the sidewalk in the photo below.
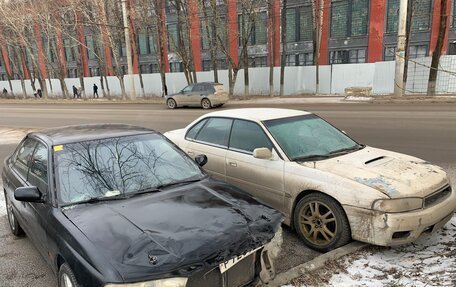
(252, 100)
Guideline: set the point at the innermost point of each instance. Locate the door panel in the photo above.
(215, 165)
(261, 178)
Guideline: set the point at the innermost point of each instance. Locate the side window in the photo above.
(192, 132)
(24, 157)
(247, 136)
(187, 89)
(210, 89)
(38, 175)
(216, 131)
(198, 88)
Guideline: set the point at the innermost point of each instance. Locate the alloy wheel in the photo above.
(318, 223)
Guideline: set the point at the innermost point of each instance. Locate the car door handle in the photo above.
(190, 153)
(232, 163)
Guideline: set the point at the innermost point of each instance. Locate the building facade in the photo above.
(353, 31)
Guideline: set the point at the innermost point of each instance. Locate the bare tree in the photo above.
(284, 46)
(438, 48)
(317, 21)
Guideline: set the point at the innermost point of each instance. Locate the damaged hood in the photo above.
(177, 231)
(394, 174)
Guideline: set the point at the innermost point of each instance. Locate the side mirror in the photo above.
(28, 194)
(262, 153)
(201, 159)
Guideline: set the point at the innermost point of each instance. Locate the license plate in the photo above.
(230, 263)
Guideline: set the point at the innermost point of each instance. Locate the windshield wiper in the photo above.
(98, 199)
(177, 183)
(347, 149)
(311, 157)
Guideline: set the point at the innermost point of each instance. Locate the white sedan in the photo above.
(330, 188)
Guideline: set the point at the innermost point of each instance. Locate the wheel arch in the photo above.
(312, 191)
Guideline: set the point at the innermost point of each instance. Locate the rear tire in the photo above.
(206, 104)
(12, 219)
(66, 277)
(321, 222)
(171, 103)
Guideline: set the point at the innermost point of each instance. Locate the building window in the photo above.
(90, 48)
(207, 65)
(349, 18)
(302, 59)
(421, 17)
(175, 67)
(258, 29)
(258, 61)
(144, 69)
(72, 73)
(94, 72)
(417, 51)
(143, 48)
(153, 68)
(452, 49)
(347, 56)
(291, 60)
(390, 54)
(69, 51)
(172, 36)
(299, 24)
(305, 59)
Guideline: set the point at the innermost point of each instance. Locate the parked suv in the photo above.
(205, 95)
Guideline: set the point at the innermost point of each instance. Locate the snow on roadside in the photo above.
(430, 261)
(2, 201)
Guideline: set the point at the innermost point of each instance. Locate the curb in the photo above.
(285, 277)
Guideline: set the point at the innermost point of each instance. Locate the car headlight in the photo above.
(170, 282)
(398, 205)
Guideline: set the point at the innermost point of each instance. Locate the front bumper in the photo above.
(390, 229)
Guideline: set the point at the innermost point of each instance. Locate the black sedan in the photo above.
(116, 205)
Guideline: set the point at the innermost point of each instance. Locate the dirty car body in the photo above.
(204, 94)
(329, 187)
(118, 204)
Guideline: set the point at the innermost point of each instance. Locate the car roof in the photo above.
(258, 114)
(78, 133)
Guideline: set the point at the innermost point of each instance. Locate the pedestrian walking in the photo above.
(5, 92)
(95, 90)
(75, 92)
(79, 92)
(38, 94)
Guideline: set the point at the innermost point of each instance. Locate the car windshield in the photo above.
(117, 167)
(309, 137)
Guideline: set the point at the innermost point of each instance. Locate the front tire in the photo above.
(12, 219)
(321, 222)
(66, 277)
(171, 103)
(206, 104)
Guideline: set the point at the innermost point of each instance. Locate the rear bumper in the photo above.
(390, 229)
(218, 100)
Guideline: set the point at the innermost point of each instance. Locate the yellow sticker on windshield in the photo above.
(58, 147)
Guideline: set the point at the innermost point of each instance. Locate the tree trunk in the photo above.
(284, 47)
(122, 87)
(271, 47)
(438, 49)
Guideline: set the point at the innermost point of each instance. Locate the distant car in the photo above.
(116, 205)
(329, 187)
(206, 95)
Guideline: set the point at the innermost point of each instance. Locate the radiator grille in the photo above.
(437, 197)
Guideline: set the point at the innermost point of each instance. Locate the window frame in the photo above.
(262, 127)
(246, 151)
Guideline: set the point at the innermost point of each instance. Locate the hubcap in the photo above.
(206, 104)
(318, 223)
(11, 218)
(171, 104)
(66, 281)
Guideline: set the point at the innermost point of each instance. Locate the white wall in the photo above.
(298, 80)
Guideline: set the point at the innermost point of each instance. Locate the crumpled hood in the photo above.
(394, 174)
(177, 231)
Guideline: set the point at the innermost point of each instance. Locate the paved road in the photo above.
(424, 130)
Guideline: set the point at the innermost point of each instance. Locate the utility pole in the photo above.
(399, 84)
(126, 24)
